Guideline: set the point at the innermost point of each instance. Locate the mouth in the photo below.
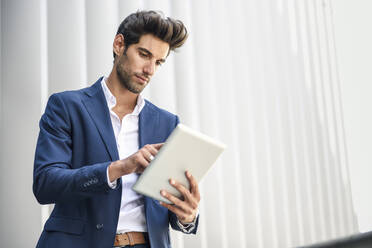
(141, 79)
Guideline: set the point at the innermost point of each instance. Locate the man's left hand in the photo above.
(185, 209)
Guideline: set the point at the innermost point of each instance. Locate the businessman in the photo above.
(94, 143)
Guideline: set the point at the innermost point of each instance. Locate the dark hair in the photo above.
(152, 22)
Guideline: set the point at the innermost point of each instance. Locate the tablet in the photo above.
(185, 149)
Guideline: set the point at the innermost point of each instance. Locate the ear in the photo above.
(118, 46)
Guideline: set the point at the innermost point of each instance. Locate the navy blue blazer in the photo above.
(76, 144)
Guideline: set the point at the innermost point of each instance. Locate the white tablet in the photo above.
(185, 149)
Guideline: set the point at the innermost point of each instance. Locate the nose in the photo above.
(149, 68)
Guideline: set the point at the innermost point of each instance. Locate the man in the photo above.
(94, 142)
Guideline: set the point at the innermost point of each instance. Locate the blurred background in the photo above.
(286, 84)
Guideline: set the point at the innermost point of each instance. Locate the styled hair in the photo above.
(152, 22)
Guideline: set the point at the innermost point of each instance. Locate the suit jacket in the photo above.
(76, 144)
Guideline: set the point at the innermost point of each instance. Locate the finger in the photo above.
(158, 145)
(152, 150)
(187, 209)
(189, 198)
(142, 164)
(180, 214)
(194, 188)
(147, 155)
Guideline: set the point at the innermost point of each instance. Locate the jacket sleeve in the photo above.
(54, 178)
(173, 217)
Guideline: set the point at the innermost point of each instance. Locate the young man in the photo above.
(94, 142)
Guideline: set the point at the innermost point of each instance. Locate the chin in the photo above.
(134, 88)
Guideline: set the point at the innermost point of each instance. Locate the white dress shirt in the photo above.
(132, 210)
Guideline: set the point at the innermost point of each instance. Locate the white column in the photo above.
(20, 96)
(353, 53)
(67, 51)
(101, 26)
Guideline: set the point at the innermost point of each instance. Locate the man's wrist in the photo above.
(114, 171)
(190, 222)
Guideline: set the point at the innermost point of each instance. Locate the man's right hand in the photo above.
(135, 163)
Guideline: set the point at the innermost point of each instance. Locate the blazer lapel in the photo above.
(96, 105)
(147, 125)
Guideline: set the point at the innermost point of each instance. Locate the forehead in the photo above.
(156, 46)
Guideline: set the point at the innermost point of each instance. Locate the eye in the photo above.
(159, 63)
(144, 55)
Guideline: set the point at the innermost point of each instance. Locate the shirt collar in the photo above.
(111, 100)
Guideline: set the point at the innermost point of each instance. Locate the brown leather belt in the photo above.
(130, 238)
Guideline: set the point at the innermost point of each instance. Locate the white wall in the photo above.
(353, 30)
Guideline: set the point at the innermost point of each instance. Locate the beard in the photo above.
(124, 76)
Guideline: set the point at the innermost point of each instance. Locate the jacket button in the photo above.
(99, 226)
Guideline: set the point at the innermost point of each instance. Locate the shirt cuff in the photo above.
(110, 184)
(188, 227)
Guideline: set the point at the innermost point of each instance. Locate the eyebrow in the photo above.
(149, 53)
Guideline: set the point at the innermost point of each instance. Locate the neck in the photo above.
(124, 98)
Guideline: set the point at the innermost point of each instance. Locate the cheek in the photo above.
(123, 65)
(132, 64)
(137, 64)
